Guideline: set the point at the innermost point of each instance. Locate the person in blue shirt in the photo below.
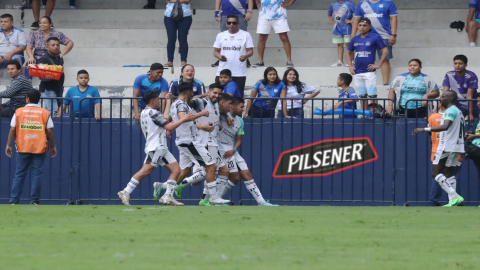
(230, 87)
(343, 81)
(152, 81)
(473, 21)
(384, 22)
(90, 107)
(270, 87)
(363, 48)
(188, 76)
(341, 14)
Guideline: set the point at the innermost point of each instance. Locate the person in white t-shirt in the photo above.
(273, 14)
(233, 47)
(296, 90)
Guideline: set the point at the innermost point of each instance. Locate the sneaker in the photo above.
(178, 191)
(338, 64)
(289, 64)
(455, 202)
(258, 64)
(34, 203)
(73, 7)
(248, 63)
(42, 6)
(218, 200)
(124, 196)
(157, 190)
(268, 204)
(216, 64)
(169, 200)
(34, 26)
(204, 203)
(148, 7)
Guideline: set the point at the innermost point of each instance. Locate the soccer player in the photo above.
(188, 141)
(154, 126)
(450, 147)
(230, 139)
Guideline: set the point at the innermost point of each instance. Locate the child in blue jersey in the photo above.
(90, 107)
(341, 14)
(230, 87)
(473, 21)
(343, 81)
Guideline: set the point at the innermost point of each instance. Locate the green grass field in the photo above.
(239, 237)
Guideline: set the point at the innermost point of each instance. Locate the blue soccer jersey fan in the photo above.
(188, 76)
(341, 14)
(383, 15)
(89, 107)
(473, 21)
(363, 48)
(153, 81)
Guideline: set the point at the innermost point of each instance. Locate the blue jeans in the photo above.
(295, 112)
(258, 112)
(182, 27)
(50, 105)
(24, 162)
(18, 57)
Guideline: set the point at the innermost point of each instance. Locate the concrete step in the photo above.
(209, 4)
(203, 19)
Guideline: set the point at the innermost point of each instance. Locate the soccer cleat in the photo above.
(204, 203)
(338, 64)
(178, 191)
(289, 64)
(258, 64)
(157, 190)
(454, 202)
(218, 200)
(124, 196)
(268, 204)
(169, 200)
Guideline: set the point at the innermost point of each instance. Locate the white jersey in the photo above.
(200, 104)
(152, 123)
(187, 131)
(451, 140)
(233, 46)
(227, 135)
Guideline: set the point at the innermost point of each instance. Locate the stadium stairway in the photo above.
(107, 39)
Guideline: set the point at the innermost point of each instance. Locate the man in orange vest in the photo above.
(33, 128)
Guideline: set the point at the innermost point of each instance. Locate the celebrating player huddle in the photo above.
(208, 132)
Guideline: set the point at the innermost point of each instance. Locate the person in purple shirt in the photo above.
(473, 21)
(465, 83)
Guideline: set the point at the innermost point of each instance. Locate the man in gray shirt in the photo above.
(18, 88)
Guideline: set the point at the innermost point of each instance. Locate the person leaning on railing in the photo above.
(412, 85)
(270, 87)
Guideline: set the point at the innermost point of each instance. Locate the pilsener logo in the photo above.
(325, 157)
(31, 126)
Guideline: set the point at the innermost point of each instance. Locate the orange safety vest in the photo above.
(434, 121)
(31, 123)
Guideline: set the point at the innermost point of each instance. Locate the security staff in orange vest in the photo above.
(33, 128)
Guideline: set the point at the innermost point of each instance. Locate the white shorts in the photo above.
(216, 155)
(447, 159)
(190, 154)
(159, 157)
(279, 26)
(366, 84)
(235, 163)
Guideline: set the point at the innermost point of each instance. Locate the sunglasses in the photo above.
(232, 23)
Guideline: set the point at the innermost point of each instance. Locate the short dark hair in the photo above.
(6, 15)
(16, 63)
(415, 60)
(33, 95)
(82, 71)
(233, 16)
(184, 87)
(237, 100)
(215, 85)
(52, 38)
(346, 78)
(225, 97)
(461, 57)
(227, 72)
(149, 95)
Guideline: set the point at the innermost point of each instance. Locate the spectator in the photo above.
(232, 48)
(181, 26)
(413, 85)
(37, 41)
(32, 144)
(296, 90)
(233, 7)
(188, 76)
(152, 81)
(473, 21)
(12, 41)
(472, 147)
(18, 87)
(270, 87)
(90, 108)
(230, 87)
(343, 81)
(365, 45)
(465, 83)
(341, 14)
(49, 6)
(49, 88)
(383, 13)
(273, 14)
(150, 4)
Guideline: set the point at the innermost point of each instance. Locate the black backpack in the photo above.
(459, 25)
